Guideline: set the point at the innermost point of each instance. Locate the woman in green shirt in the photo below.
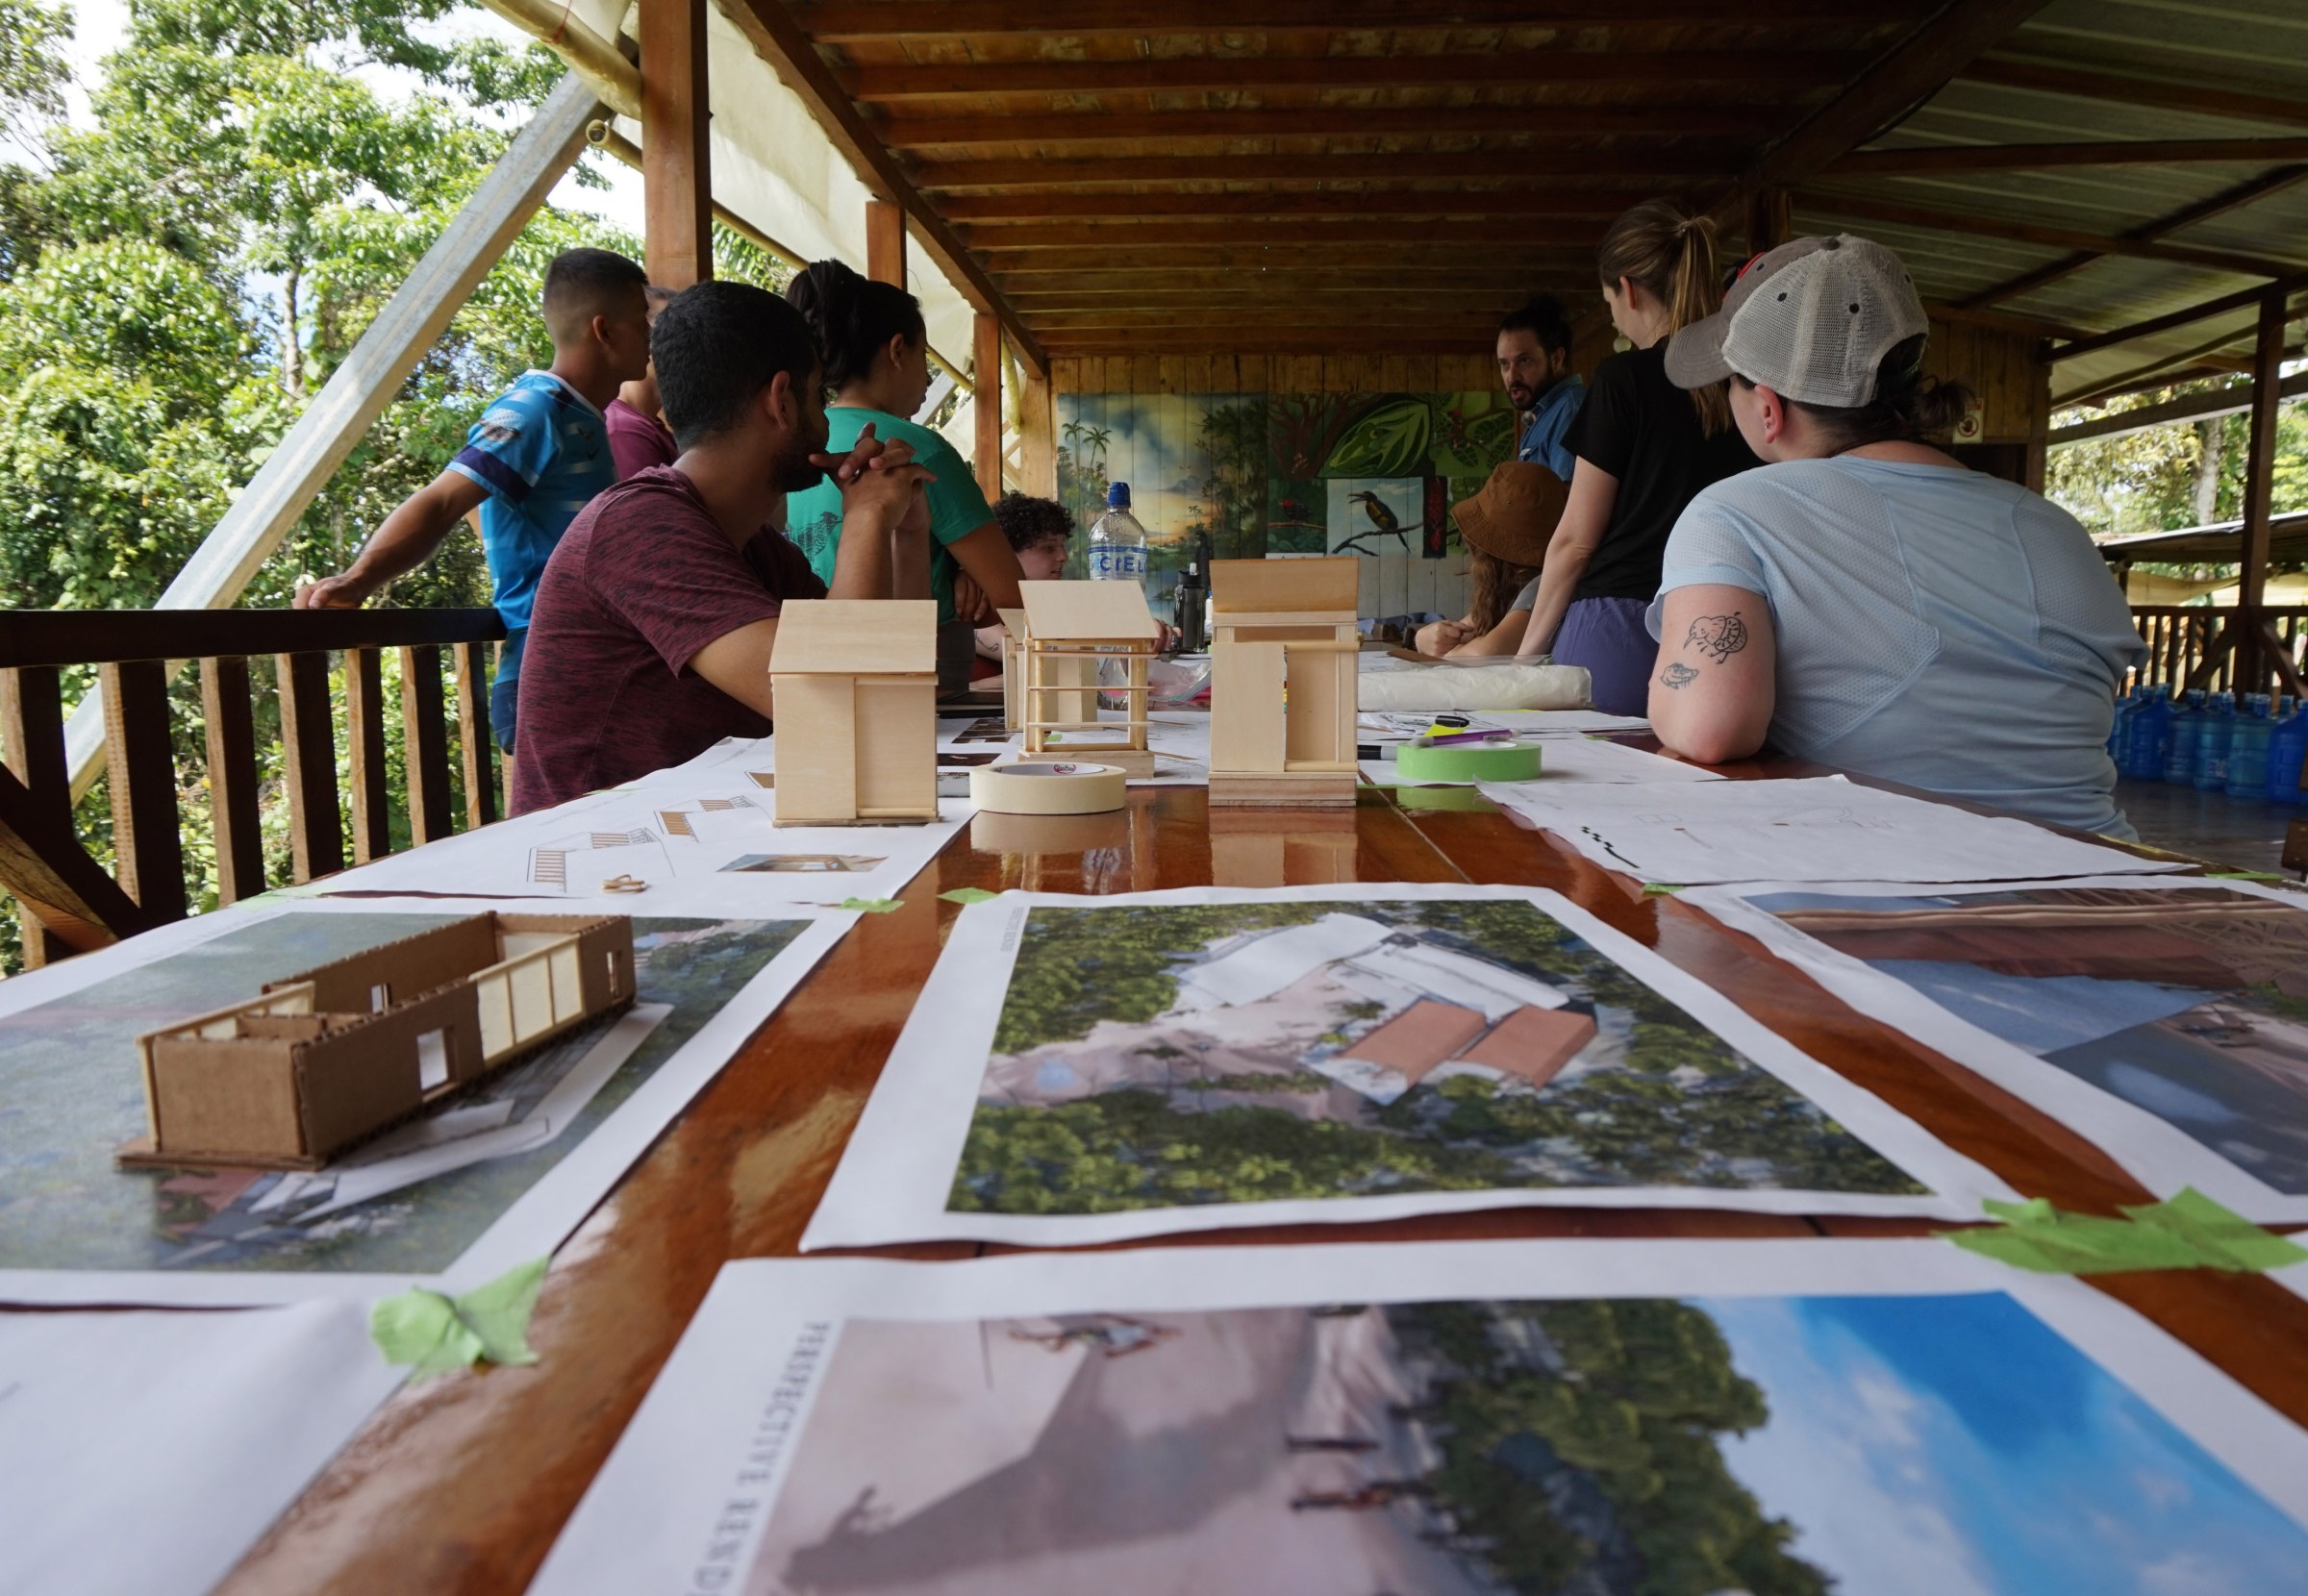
(877, 372)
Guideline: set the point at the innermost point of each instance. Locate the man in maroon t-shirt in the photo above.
(650, 637)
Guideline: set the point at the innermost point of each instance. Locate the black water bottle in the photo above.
(1191, 591)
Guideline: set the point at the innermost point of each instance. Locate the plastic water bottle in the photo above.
(2248, 750)
(2286, 752)
(2187, 736)
(2151, 735)
(2119, 745)
(1117, 543)
(2212, 751)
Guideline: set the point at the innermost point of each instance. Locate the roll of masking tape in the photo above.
(1047, 787)
(1468, 762)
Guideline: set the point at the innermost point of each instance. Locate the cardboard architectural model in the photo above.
(1013, 667)
(1073, 628)
(328, 1056)
(1282, 680)
(855, 685)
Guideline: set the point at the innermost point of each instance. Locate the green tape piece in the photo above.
(433, 1334)
(2190, 1232)
(1659, 887)
(871, 906)
(2244, 875)
(1469, 762)
(967, 895)
(2222, 1240)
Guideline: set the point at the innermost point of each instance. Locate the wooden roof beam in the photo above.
(2171, 319)
(1159, 234)
(1916, 159)
(786, 45)
(2055, 238)
(1910, 74)
(848, 21)
(2160, 92)
(2187, 216)
(1599, 204)
(1186, 74)
(1616, 120)
(1354, 167)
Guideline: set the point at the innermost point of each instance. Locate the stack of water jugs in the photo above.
(2213, 742)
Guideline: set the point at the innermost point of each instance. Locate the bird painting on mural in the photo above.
(1383, 523)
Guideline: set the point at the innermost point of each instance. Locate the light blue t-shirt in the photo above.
(1549, 420)
(1936, 627)
(542, 452)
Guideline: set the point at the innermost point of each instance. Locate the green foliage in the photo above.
(2170, 477)
(1391, 440)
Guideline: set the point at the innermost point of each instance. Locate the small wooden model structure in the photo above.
(855, 685)
(1013, 667)
(1073, 628)
(1282, 682)
(326, 1057)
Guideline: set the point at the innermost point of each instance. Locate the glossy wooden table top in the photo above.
(460, 1484)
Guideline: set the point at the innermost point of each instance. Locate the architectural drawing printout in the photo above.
(1816, 829)
(148, 1452)
(482, 1179)
(1614, 1418)
(2165, 1020)
(1084, 1069)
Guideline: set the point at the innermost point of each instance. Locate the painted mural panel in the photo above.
(1244, 475)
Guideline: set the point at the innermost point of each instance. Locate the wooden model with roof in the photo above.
(1073, 628)
(1282, 682)
(331, 1056)
(855, 682)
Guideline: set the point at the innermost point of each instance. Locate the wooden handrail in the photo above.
(114, 636)
(69, 903)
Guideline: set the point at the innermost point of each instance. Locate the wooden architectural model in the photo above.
(1073, 628)
(856, 688)
(324, 1058)
(1282, 680)
(1013, 669)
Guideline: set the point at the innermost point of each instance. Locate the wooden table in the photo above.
(460, 1484)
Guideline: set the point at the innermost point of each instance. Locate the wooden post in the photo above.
(1770, 219)
(475, 740)
(364, 729)
(308, 767)
(148, 844)
(1038, 438)
(2253, 658)
(32, 747)
(2039, 427)
(231, 738)
(987, 358)
(425, 744)
(676, 165)
(885, 242)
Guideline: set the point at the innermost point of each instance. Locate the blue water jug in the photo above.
(2286, 752)
(2187, 736)
(2212, 751)
(2248, 749)
(2151, 735)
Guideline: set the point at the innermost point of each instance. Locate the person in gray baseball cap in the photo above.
(1864, 600)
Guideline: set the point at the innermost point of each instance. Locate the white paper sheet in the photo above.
(1342, 1044)
(494, 1177)
(1574, 758)
(2164, 1020)
(1817, 829)
(148, 1452)
(1384, 727)
(703, 841)
(1240, 1421)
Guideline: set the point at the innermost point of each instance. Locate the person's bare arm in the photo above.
(877, 506)
(738, 662)
(405, 541)
(1716, 683)
(991, 564)
(1593, 490)
(1441, 637)
(1504, 639)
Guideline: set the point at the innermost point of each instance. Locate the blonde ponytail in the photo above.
(1672, 254)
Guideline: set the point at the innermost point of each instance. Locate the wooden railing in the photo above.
(69, 902)
(2189, 646)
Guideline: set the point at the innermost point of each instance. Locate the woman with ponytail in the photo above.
(1643, 450)
(877, 372)
(1864, 600)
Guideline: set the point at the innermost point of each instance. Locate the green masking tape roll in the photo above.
(1468, 762)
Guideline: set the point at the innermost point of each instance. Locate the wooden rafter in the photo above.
(2187, 216)
(850, 21)
(1594, 205)
(1916, 159)
(1184, 74)
(1734, 120)
(782, 41)
(1525, 166)
(2162, 93)
(2171, 319)
(1160, 233)
(1980, 225)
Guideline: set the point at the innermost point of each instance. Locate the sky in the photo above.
(1947, 1446)
(100, 25)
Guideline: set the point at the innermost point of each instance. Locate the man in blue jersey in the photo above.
(534, 458)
